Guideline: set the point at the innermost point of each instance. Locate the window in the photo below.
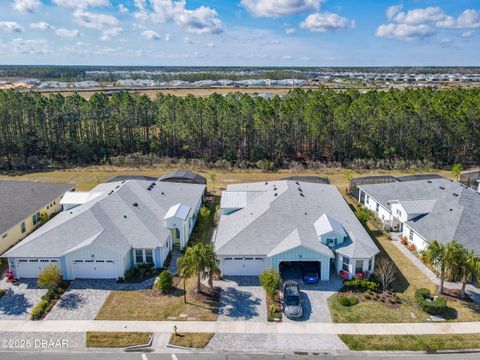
(138, 256)
(260, 258)
(346, 264)
(36, 218)
(410, 235)
(370, 265)
(248, 258)
(377, 208)
(399, 212)
(358, 266)
(368, 199)
(23, 227)
(227, 259)
(238, 258)
(148, 256)
(331, 241)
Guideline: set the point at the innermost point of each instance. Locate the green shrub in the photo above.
(347, 300)
(39, 311)
(364, 215)
(271, 282)
(359, 284)
(50, 277)
(165, 282)
(429, 304)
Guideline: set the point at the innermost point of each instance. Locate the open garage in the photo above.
(294, 270)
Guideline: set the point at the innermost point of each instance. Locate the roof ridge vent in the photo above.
(111, 192)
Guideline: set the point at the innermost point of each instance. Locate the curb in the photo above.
(141, 346)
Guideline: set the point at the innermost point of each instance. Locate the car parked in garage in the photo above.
(311, 273)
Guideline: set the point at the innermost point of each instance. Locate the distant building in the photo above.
(183, 177)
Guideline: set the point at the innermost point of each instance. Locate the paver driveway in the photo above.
(19, 299)
(84, 298)
(242, 298)
(314, 297)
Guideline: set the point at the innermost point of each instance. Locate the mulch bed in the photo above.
(278, 307)
(454, 294)
(389, 298)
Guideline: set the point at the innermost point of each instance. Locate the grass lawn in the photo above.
(191, 340)
(151, 305)
(411, 342)
(409, 278)
(116, 339)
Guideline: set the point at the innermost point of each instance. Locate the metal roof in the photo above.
(180, 211)
(79, 197)
(418, 206)
(238, 199)
(21, 199)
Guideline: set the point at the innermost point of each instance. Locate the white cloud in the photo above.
(211, 45)
(42, 25)
(404, 31)
(420, 16)
(11, 26)
(30, 47)
(151, 35)
(393, 10)
(467, 34)
(276, 8)
(167, 37)
(290, 30)
(108, 25)
(26, 5)
(446, 42)
(202, 20)
(424, 22)
(81, 4)
(122, 9)
(322, 22)
(67, 33)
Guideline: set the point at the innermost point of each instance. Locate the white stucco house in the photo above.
(265, 224)
(104, 232)
(426, 210)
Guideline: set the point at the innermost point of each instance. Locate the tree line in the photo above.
(440, 126)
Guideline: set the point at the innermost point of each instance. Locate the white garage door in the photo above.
(30, 268)
(94, 269)
(243, 266)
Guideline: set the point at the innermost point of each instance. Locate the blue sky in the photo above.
(241, 32)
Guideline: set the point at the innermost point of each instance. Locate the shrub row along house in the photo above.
(426, 210)
(103, 233)
(23, 204)
(270, 224)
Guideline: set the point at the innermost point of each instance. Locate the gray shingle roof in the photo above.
(454, 216)
(184, 176)
(283, 216)
(21, 199)
(112, 220)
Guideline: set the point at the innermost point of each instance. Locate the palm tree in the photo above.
(469, 267)
(211, 263)
(436, 256)
(185, 267)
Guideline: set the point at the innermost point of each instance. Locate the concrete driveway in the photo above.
(314, 296)
(242, 299)
(84, 298)
(19, 299)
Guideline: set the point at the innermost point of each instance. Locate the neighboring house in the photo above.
(181, 176)
(265, 224)
(426, 210)
(22, 202)
(105, 232)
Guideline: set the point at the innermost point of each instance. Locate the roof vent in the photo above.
(163, 193)
(296, 182)
(429, 181)
(110, 193)
(116, 187)
(455, 194)
(266, 182)
(441, 188)
(123, 182)
(305, 213)
(153, 184)
(275, 194)
(301, 194)
(135, 204)
(451, 209)
(300, 189)
(124, 216)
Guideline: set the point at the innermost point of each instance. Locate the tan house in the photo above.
(21, 203)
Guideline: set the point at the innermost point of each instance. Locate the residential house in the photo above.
(269, 224)
(103, 233)
(21, 203)
(426, 210)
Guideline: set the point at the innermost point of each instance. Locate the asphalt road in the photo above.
(218, 356)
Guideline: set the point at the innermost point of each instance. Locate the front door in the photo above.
(176, 238)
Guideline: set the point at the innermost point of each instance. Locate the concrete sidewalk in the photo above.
(240, 327)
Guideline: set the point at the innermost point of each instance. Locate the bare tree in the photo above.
(385, 272)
